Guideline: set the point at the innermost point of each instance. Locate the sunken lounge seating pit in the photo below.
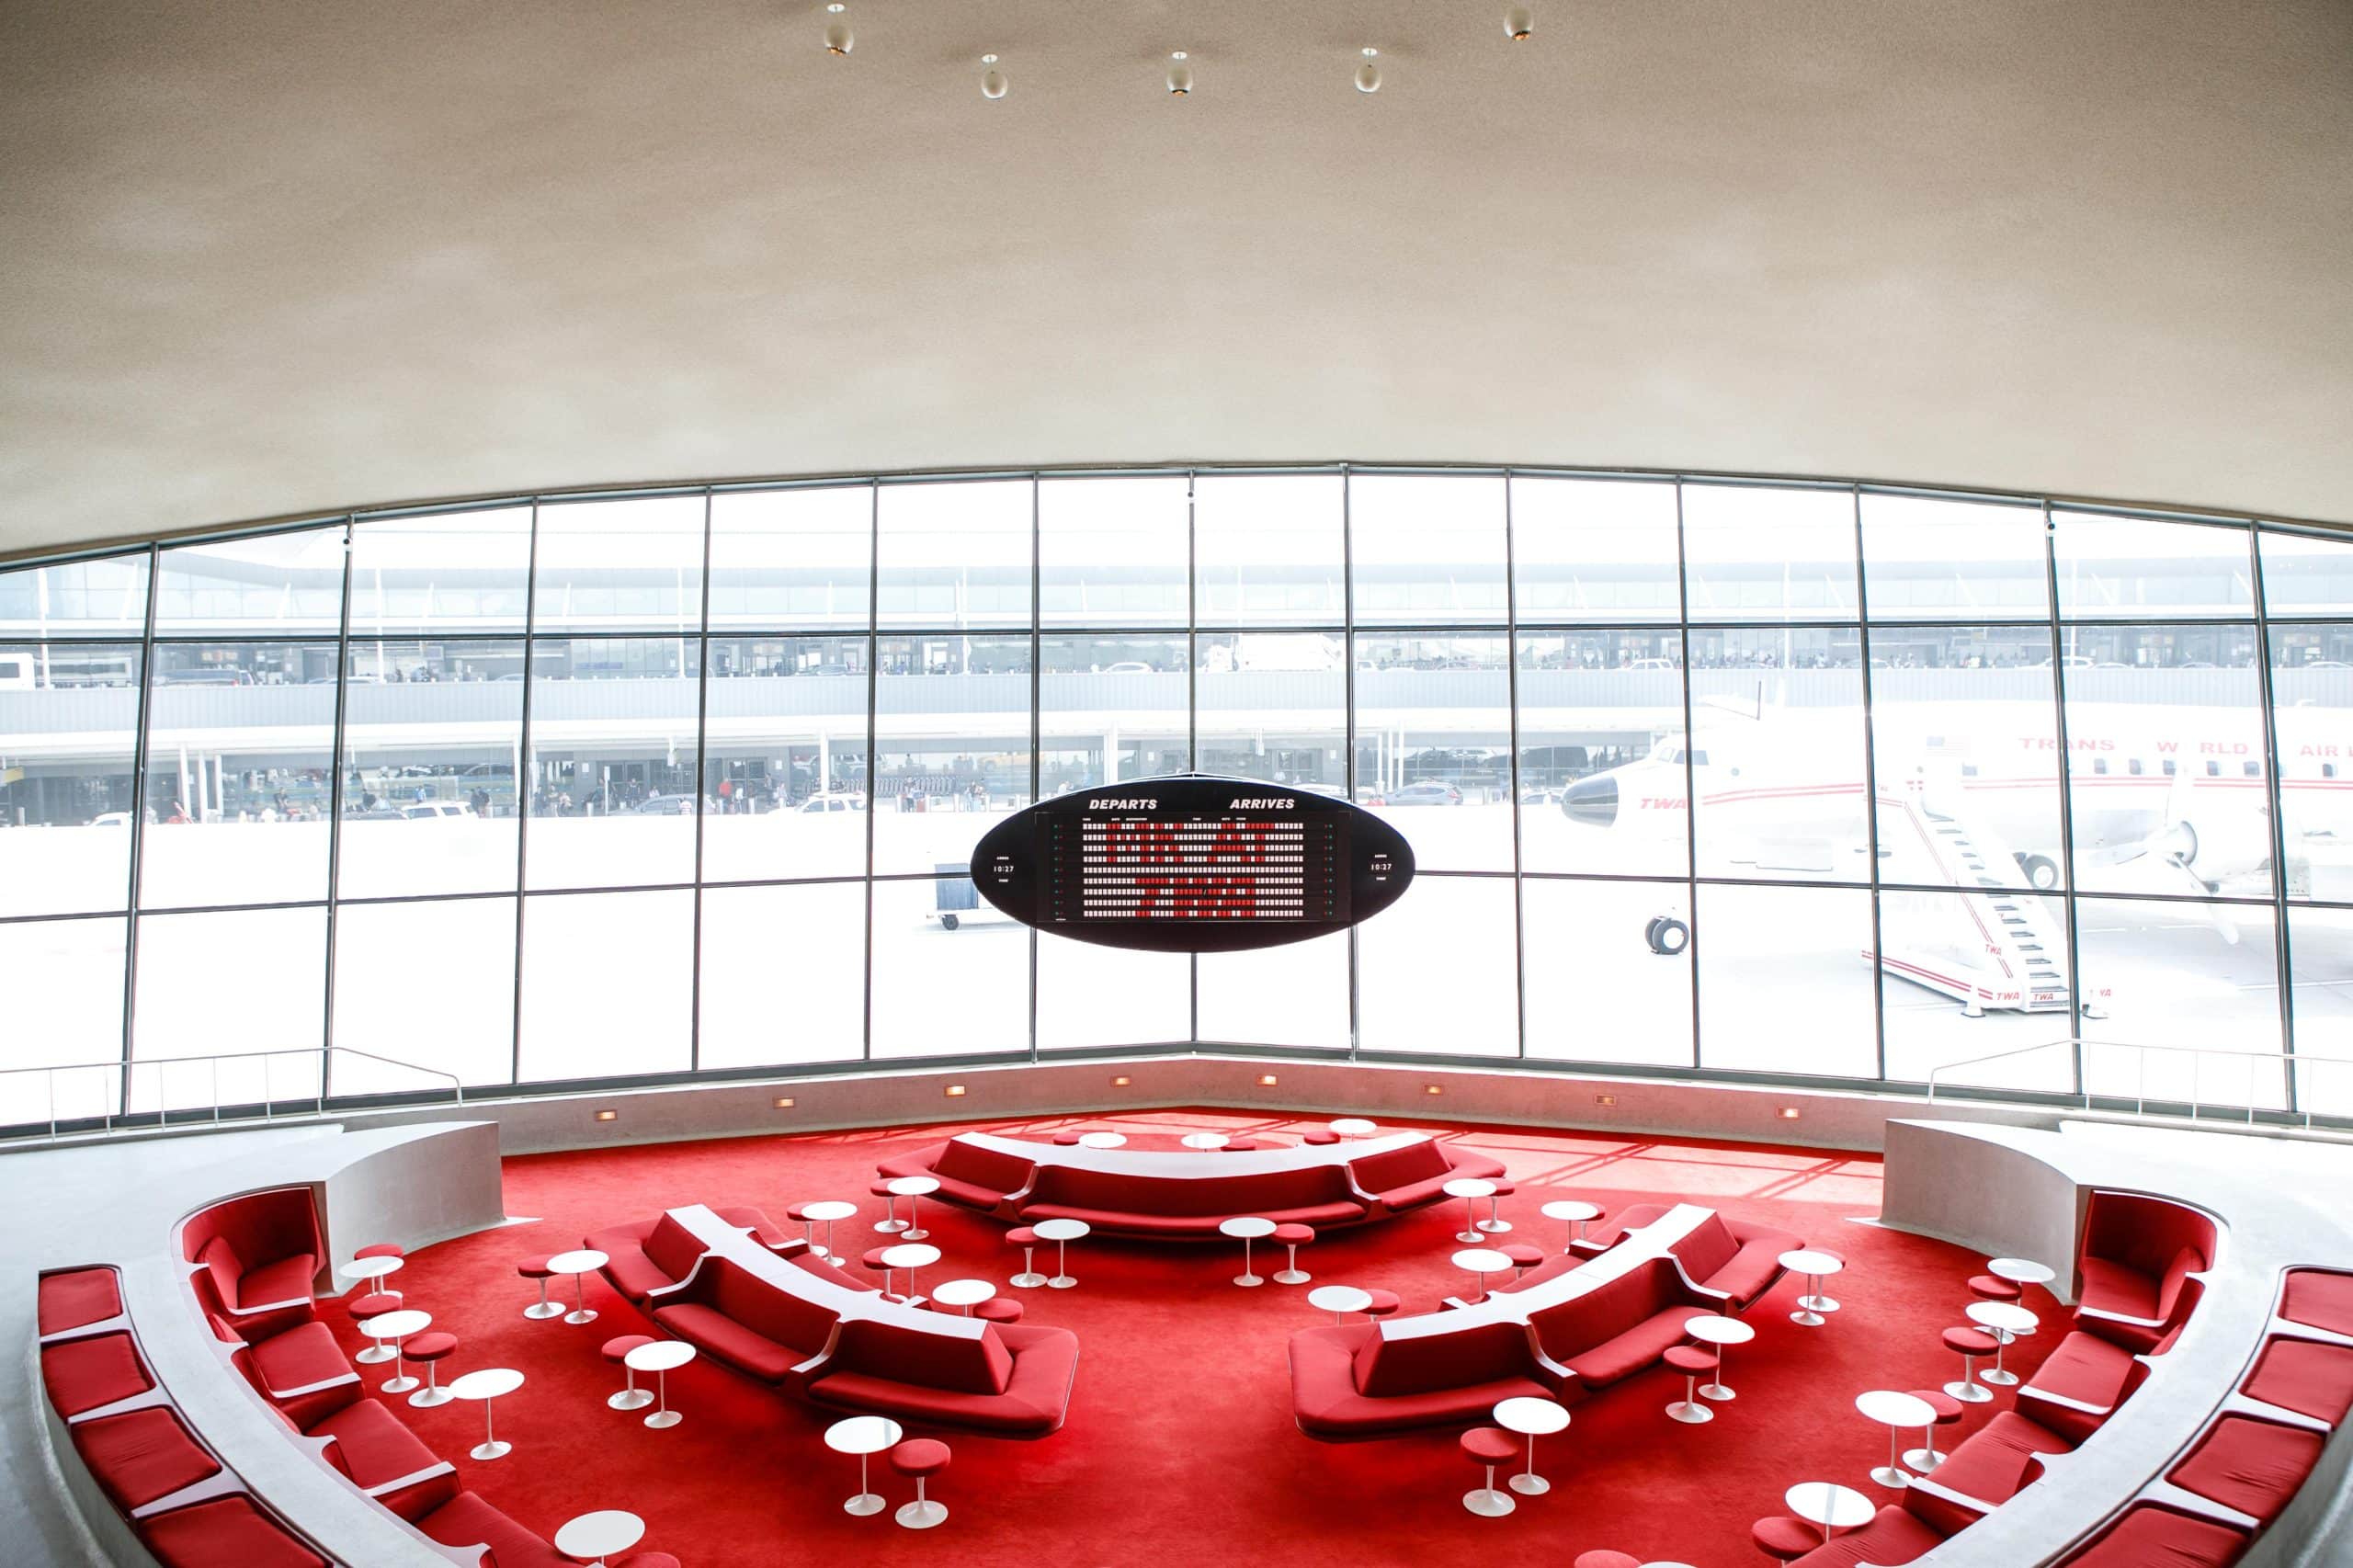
(841, 1344)
(1167, 1196)
(1576, 1332)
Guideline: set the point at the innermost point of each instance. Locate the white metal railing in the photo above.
(119, 1115)
(2255, 1062)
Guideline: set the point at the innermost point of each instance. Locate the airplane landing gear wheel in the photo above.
(2042, 872)
(1668, 936)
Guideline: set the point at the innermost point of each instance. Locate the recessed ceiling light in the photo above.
(1605, 1099)
(1121, 1081)
(1788, 1113)
(1266, 1080)
(1369, 74)
(783, 1102)
(1433, 1088)
(839, 39)
(1518, 23)
(608, 1116)
(1180, 75)
(992, 82)
(954, 1091)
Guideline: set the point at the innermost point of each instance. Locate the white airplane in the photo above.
(2168, 801)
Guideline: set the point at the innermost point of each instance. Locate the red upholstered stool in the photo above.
(1949, 1410)
(1490, 1225)
(1489, 1446)
(1383, 1302)
(1241, 1145)
(432, 1349)
(380, 1249)
(376, 1303)
(1523, 1257)
(1784, 1539)
(998, 1309)
(1025, 1238)
(1694, 1361)
(1068, 1137)
(1969, 1344)
(922, 1457)
(872, 1260)
(1990, 1288)
(630, 1396)
(536, 1268)
(1318, 1137)
(808, 1227)
(1607, 1559)
(890, 1224)
(1293, 1237)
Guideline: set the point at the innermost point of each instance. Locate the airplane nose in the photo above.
(1593, 801)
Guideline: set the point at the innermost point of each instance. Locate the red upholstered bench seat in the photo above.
(2148, 1535)
(1120, 1204)
(76, 1298)
(1013, 1380)
(142, 1455)
(1992, 1465)
(2079, 1385)
(371, 1448)
(302, 1371)
(1346, 1383)
(2137, 1254)
(720, 1338)
(86, 1374)
(226, 1532)
(1892, 1537)
(653, 1254)
(731, 1314)
(258, 1256)
(2304, 1375)
(2319, 1297)
(1417, 1174)
(1622, 1328)
(2250, 1465)
(968, 1174)
(467, 1520)
(1739, 1259)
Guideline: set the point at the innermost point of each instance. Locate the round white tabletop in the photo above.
(489, 1383)
(1354, 1127)
(863, 1435)
(964, 1293)
(1341, 1299)
(1575, 1211)
(915, 1187)
(1531, 1418)
(1060, 1230)
(2007, 1316)
(1102, 1140)
(2019, 1270)
(1813, 1266)
(586, 1260)
(660, 1357)
(832, 1209)
(371, 1268)
(1468, 1186)
(1482, 1261)
(1246, 1227)
(1890, 1408)
(910, 1255)
(396, 1326)
(1710, 1328)
(599, 1535)
(1205, 1140)
(1829, 1505)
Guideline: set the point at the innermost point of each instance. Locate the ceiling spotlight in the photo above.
(992, 82)
(1180, 75)
(1369, 74)
(839, 39)
(1520, 22)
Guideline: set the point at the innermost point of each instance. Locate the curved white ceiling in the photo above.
(277, 255)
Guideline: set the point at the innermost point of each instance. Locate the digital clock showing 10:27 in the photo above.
(1192, 863)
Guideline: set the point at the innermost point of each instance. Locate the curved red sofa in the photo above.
(2137, 1254)
(799, 1323)
(1333, 1190)
(261, 1254)
(1357, 1380)
(636, 1273)
(1732, 1262)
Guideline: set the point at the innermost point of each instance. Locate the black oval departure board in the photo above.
(1192, 863)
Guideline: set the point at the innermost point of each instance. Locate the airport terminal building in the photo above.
(733, 737)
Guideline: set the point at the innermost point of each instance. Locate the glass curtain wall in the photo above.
(1808, 781)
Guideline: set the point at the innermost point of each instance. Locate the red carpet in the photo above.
(1180, 1436)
